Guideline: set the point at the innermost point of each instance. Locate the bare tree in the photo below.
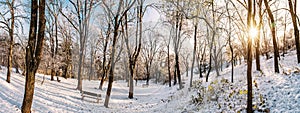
(212, 47)
(116, 16)
(186, 60)
(105, 65)
(34, 50)
(133, 53)
(272, 27)
(167, 43)
(249, 58)
(293, 13)
(196, 14)
(66, 33)
(257, 39)
(201, 52)
(175, 11)
(150, 49)
(9, 25)
(230, 40)
(284, 41)
(83, 11)
(53, 9)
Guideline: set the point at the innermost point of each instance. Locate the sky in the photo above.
(151, 15)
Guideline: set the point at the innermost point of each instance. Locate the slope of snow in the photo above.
(272, 93)
(58, 97)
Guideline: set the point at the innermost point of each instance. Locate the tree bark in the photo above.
(104, 66)
(296, 30)
(147, 73)
(52, 50)
(201, 62)
(257, 48)
(284, 36)
(209, 66)
(10, 52)
(133, 58)
(169, 67)
(11, 43)
(33, 51)
(230, 43)
(249, 60)
(194, 52)
(91, 73)
(179, 21)
(79, 79)
(272, 27)
(132, 71)
(112, 60)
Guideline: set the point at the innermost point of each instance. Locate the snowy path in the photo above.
(55, 97)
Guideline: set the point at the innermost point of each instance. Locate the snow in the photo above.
(58, 97)
(272, 92)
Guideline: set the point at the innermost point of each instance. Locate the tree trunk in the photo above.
(131, 70)
(296, 30)
(249, 60)
(199, 66)
(83, 28)
(178, 36)
(178, 70)
(194, 52)
(79, 79)
(216, 62)
(104, 74)
(29, 91)
(284, 36)
(169, 67)
(210, 52)
(104, 66)
(11, 43)
(272, 27)
(257, 48)
(187, 69)
(133, 58)
(230, 43)
(232, 62)
(112, 60)
(201, 63)
(209, 67)
(33, 51)
(109, 88)
(52, 49)
(10, 52)
(175, 76)
(221, 58)
(91, 63)
(52, 74)
(257, 52)
(17, 68)
(147, 73)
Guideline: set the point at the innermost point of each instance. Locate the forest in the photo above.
(148, 56)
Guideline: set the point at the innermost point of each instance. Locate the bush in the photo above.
(198, 97)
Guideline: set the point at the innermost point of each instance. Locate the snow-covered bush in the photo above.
(200, 89)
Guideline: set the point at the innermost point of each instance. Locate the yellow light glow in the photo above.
(253, 32)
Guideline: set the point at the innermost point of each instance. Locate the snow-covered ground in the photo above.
(58, 97)
(272, 92)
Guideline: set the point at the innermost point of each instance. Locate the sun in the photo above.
(253, 32)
